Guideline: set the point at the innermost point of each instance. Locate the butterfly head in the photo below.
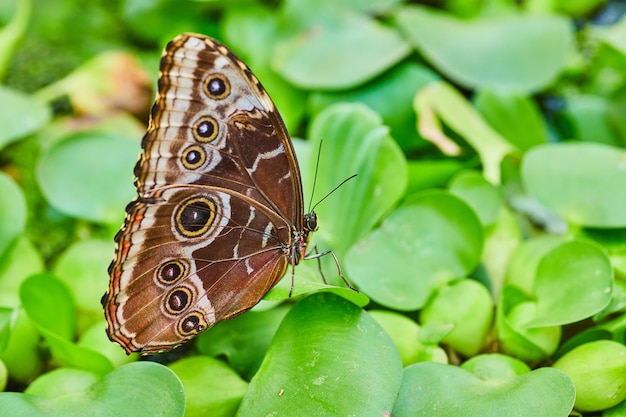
(310, 222)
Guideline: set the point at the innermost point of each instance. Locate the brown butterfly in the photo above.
(219, 214)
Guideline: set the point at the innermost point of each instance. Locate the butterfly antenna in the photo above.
(317, 165)
(332, 191)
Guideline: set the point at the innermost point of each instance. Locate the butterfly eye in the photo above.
(170, 271)
(310, 222)
(194, 157)
(205, 129)
(194, 216)
(217, 86)
(178, 300)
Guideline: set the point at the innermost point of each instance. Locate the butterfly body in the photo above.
(219, 214)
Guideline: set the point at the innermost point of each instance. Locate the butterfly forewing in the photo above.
(219, 212)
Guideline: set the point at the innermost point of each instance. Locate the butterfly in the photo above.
(219, 215)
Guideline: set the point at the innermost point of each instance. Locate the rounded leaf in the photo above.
(336, 52)
(79, 181)
(521, 53)
(582, 182)
(467, 305)
(573, 282)
(419, 247)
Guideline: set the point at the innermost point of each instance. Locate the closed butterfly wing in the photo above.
(219, 212)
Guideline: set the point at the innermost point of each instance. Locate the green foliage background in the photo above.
(485, 231)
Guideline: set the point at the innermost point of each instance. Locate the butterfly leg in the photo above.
(293, 279)
(317, 255)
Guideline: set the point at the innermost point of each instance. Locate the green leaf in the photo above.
(343, 364)
(4, 376)
(309, 280)
(61, 381)
(590, 121)
(390, 96)
(7, 315)
(373, 7)
(501, 241)
(430, 241)
(430, 389)
(516, 117)
(82, 267)
(404, 333)
(78, 181)
(598, 370)
(211, 387)
(20, 115)
(137, 389)
(22, 355)
(522, 268)
(519, 53)
(513, 313)
(467, 305)
(351, 211)
(95, 338)
(582, 182)
(424, 174)
(19, 261)
(482, 196)
(12, 211)
(243, 340)
(50, 306)
(335, 50)
(573, 282)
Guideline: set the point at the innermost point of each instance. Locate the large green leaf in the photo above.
(521, 53)
(328, 358)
